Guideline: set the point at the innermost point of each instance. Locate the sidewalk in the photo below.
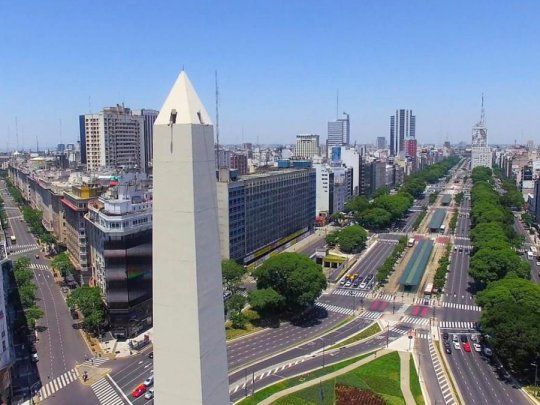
(405, 378)
(123, 349)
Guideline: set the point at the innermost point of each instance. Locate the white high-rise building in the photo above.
(480, 151)
(339, 133)
(190, 358)
(307, 146)
(402, 126)
(112, 138)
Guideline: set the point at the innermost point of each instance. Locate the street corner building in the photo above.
(190, 361)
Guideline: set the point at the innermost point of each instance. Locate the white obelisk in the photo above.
(190, 359)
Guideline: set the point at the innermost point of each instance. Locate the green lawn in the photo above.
(291, 382)
(371, 330)
(415, 384)
(380, 376)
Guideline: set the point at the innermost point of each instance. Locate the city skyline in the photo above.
(260, 80)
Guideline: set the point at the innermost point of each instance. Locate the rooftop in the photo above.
(437, 218)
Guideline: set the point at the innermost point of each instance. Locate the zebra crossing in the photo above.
(95, 361)
(416, 320)
(264, 374)
(105, 393)
(423, 335)
(335, 308)
(58, 383)
(39, 266)
(351, 292)
(461, 306)
(457, 325)
(23, 250)
(441, 377)
(371, 315)
(28, 245)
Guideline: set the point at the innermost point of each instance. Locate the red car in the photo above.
(467, 347)
(141, 389)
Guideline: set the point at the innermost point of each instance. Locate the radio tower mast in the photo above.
(217, 123)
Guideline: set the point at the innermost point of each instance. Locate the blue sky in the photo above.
(279, 64)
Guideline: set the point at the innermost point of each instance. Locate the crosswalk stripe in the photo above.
(105, 393)
(334, 308)
(57, 384)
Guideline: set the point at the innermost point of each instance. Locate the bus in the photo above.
(13, 239)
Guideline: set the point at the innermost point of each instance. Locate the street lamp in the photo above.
(535, 364)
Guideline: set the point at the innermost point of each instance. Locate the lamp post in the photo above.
(535, 364)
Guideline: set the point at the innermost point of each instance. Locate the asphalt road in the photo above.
(59, 346)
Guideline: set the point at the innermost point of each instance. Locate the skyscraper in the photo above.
(307, 146)
(339, 132)
(112, 138)
(190, 356)
(381, 142)
(402, 126)
(149, 116)
(480, 151)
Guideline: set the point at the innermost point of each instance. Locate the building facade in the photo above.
(307, 146)
(149, 117)
(240, 163)
(261, 212)
(113, 138)
(402, 126)
(339, 133)
(119, 233)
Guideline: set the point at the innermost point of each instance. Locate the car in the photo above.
(149, 394)
(363, 285)
(477, 347)
(474, 337)
(151, 355)
(488, 352)
(369, 277)
(356, 283)
(454, 338)
(343, 281)
(457, 346)
(445, 335)
(65, 290)
(463, 338)
(348, 284)
(35, 357)
(36, 256)
(149, 381)
(138, 391)
(467, 347)
(447, 349)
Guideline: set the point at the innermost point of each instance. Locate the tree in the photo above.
(62, 264)
(375, 218)
(352, 239)
(337, 218)
(232, 274)
(27, 295)
(511, 320)
(332, 238)
(238, 320)
(22, 263)
(489, 265)
(33, 314)
(89, 302)
(356, 205)
(266, 300)
(295, 277)
(235, 303)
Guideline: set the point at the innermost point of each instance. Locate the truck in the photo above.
(410, 243)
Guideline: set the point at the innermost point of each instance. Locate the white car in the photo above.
(363, 285)
(348, 283)
(457, 346)
(477, 347)
(149, 381)
(149, 394)
(454, 338)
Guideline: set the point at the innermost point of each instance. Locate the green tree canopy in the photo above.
(235, 303)
(352, 239)
(295, 277)
(266, 300)
(511, 317)
(232, 274)
(375, 218)
(493, 264)
(89, 302)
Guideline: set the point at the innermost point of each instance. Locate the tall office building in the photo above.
(402, 126)
(381, 142)
(307, 146)
(112, 138)
(339, 132)
(189, 339)
(480, 151)
(149, 116)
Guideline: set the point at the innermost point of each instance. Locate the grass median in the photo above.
(416, 390)
(369, 331)
(291, 382)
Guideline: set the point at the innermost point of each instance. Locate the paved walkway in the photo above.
(330, 376)
(405, 378)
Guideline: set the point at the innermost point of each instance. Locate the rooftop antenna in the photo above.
(17, 132)
(217, 121)
(337, 104)
(483, 112)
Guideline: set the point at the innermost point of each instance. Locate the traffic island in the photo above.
(93, 374)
